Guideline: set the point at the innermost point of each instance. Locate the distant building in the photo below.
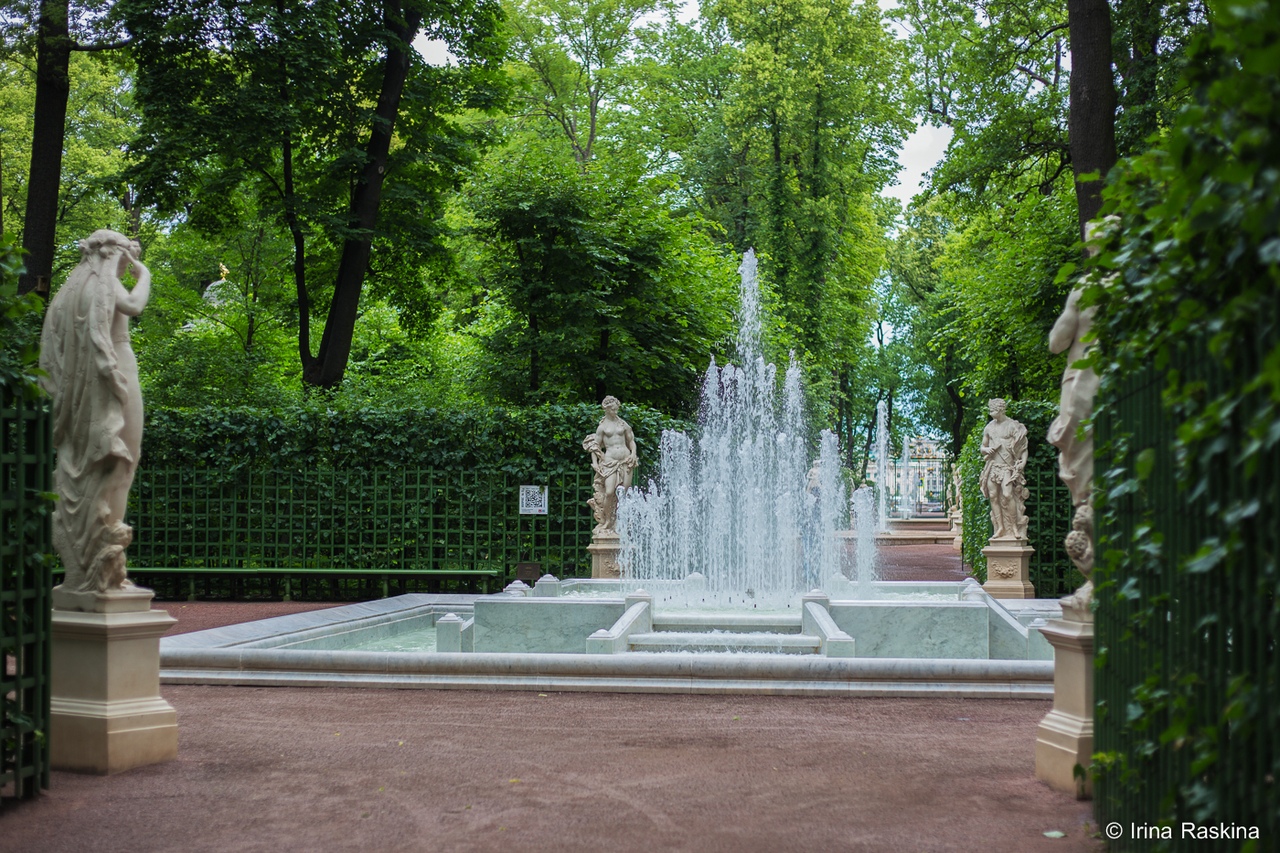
(917, 478)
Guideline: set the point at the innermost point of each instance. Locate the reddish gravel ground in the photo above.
(202, 615)
(920, 563)
(319, 769)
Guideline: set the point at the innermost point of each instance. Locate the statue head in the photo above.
(1096, 232)
(996, 407)
(610, 404)
(104, 245)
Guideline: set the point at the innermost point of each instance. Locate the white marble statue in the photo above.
(1079, 385)
(1070, 334)
(1003, 480)
(613, 458)
(92, 376)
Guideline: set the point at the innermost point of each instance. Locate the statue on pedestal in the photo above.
(1003, 480)
(613, 458)
(92, 376)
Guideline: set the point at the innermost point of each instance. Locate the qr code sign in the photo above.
(533, 500)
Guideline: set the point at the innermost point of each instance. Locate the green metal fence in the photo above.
(26, 464)
(1188, 708)
(418, 523)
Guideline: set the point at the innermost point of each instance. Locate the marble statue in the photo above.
(92, 376)
(613, 458)
(1070, 334)
(1079, 385)
(1003, 480)
(1079, 547)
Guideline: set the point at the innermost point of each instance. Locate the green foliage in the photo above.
(100, 123)
(997, 296)
(1188, 327)
(544, 439)
(812, 117)
(280, 102)
(995, 74)
(595, 287)
(1048, 506)
(20, 318)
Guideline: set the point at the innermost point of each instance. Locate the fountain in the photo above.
(882, 466)
(732, 547)
(740, 504)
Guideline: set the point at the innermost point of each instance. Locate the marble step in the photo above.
(741, 622)
(725, 641)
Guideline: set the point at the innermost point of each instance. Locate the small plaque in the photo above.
(528, 572)
(533, 500)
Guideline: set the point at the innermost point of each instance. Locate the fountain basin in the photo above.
(969, 646)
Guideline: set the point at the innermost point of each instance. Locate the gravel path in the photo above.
(321, 769)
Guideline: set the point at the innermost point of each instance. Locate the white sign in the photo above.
(533, 500)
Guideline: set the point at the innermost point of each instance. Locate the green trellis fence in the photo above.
(1188, 677)
(417, 523)
(26, 464)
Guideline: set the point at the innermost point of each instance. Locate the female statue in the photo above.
(613, 458)
(92, 376)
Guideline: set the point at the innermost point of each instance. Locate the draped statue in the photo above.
(92, 376)
(1003, 480)
(613, 458)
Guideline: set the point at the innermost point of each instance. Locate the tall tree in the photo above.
(1092, 126)
(570, 62)
(319, 109)
(597, 289)
(45, 30)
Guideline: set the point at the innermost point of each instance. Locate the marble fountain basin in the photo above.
(592, 635)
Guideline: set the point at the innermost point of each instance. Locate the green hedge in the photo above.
(517, 441)
(1048, 507)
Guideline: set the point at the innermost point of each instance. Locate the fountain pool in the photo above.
(610, 636)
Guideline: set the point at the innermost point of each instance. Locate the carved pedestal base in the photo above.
(1064, 741)
(106, 713)
(957, 524)
(604, 549)
(1008, 562)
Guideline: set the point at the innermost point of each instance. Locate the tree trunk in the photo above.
(534, 379)
(53, 87)
(602, 360)
(1091, 124)
(335, 345)
(871, 434)
(957, 422)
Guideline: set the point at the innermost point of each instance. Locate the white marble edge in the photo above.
(885, 689)
(635, 664)
(276, 627)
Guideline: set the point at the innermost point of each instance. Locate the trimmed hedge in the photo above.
(518, 441)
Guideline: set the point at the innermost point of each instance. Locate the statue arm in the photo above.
(1063, 333)
(630, 437)
(131, 302)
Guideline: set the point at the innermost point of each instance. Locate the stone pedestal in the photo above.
(1008, 564)
(106, 713)
(1064, 741)
(957, 525)
(604, 550)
